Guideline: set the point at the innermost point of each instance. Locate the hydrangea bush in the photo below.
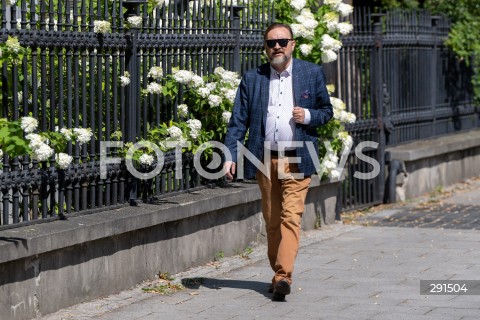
(209, 98)
(317, 31)
(11, 51)
(18, 138)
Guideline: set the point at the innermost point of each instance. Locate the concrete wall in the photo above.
(47, 267)
(437, 162)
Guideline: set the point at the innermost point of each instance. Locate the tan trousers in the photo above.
(283, 202)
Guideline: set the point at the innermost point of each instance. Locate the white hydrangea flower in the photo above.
(214, 100)
(332, 3)
(101, 26)
(36, 140)
(346, 139)
(154, 87)
(344, 9)
(1, 154)
(298, 4)
(195, 127)
(334, 174)
(307, 19)
(329, 162)
(194, 124)
(350, 118)
(219, 71)
(135, 21)
(124, 81)
(329, 43)
(196, 81)
(211, 86)
(337, 103)
(146, 159)
(226, 115)
(183, 76)
(156, 73)
(330, 89)
(204, 92)
(83, 135)
(182, 110)
(229, 77)
(344, 28)
(329, 165)
(230, 94)
(13, 44)
(11, 2)
(337, 114)
(306, 49)
(193, 134)
(29, 124)
(67, 133)
(328, 56)
(344, 116)
(331, 20)
(299, 30)
(43, 152)
(63, 160)
(175, 132)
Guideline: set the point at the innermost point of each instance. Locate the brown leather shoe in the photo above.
(282, 288)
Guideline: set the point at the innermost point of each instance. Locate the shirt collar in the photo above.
(286, 73)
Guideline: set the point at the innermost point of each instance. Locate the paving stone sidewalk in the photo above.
(368, 270)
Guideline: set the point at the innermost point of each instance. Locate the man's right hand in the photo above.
(229, 169)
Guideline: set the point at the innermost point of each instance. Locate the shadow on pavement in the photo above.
(212, 283)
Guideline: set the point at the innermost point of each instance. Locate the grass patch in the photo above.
(165, 287)
(219, 256)
(245, 254)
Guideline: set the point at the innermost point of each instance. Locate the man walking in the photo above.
(280, 103)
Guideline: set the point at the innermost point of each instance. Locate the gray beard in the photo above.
(279, 60)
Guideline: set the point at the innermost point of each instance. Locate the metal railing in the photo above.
(403, 84)
(70, 78)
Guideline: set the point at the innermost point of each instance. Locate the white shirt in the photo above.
(280, 125)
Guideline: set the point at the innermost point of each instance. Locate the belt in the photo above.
(286, 153)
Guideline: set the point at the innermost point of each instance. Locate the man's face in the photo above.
(279, 54)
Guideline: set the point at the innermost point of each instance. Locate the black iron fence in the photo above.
(393, 72)
(70, 78)
(403, 84)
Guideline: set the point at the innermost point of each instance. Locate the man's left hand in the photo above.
(298, 114)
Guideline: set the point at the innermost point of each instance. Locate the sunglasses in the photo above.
(282, 42)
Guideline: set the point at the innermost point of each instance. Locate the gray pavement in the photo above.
(368, 269)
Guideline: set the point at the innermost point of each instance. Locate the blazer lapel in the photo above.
(264, 92)
(296, 82)
(297, 88)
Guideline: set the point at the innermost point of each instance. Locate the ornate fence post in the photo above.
(433, 73)
(378, 100)
(235, 28)
(132, 93)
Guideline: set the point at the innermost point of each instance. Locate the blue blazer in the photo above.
(251, 106)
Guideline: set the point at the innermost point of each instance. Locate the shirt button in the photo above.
(281, 92)
(279, 104)
(278, 117)
(276, 130)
